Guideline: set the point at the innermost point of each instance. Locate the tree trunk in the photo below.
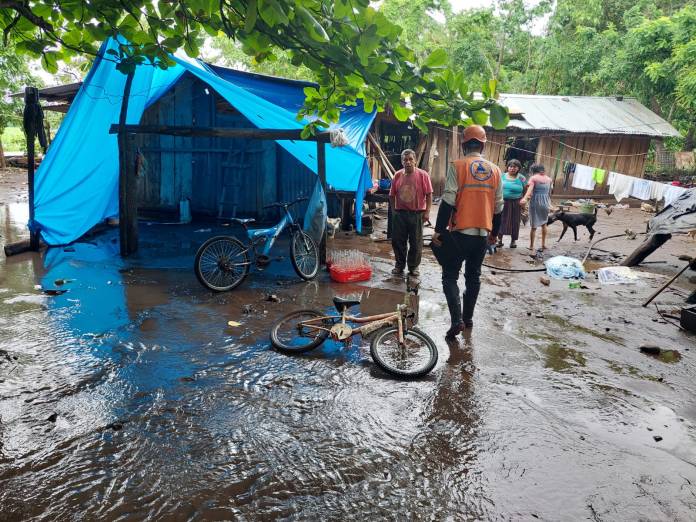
(3, 164)
(644, 250)
(690, 141)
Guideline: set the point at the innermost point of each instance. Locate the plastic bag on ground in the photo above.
(563, 267)
(617, 275)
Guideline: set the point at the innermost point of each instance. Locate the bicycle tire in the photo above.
(379, 344)
(288, 320)
(215, 252)
(302, 241)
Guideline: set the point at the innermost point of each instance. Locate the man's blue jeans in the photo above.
(469, 250)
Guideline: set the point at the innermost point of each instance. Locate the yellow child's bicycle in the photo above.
(397, 346)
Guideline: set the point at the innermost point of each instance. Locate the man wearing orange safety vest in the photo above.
(468, 221)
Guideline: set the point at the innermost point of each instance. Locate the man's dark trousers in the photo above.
(469, 250)
(407, 230)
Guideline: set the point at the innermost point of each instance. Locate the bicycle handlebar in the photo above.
(286, 205)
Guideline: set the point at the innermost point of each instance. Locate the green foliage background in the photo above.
(643, 48)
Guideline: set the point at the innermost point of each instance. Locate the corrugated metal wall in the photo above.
(231, 177)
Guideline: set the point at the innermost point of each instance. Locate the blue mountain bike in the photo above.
(222, 262)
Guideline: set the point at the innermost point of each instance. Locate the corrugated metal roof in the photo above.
(585, 114)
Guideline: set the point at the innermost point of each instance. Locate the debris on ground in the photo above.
(545, 280)
(647, 207)
(233, 323)
(617, 275)
(247, 309)
(657, 438)
(61, 282)
(563, 267)
(272, 298)
(651, 349)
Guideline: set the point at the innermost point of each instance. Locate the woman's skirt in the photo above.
(510, 223)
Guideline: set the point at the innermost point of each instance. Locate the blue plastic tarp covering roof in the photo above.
(76, 185)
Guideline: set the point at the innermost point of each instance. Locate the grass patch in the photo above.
(13, 140)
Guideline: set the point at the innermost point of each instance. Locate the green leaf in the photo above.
(492, 86)
(272, 13)
(251, 15)
(401, 112)
(479, 117)
(49, 62)
(418, 122)
(369, 104)
(436, 59)
(315, 30)
(500, 116)
(43, 10)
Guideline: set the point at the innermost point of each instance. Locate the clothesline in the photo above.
(620, 185)
(548, 155)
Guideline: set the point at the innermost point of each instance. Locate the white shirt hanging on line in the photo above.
(641, 189)
(658, 191)
(583, 178)
(620, 186)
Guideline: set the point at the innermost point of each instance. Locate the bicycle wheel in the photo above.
(287, 335)
(415, 358)
(221, 263)
(304, 255)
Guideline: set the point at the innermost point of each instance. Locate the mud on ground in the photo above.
(128, 396)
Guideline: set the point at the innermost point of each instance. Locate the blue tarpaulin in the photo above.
(77, 182)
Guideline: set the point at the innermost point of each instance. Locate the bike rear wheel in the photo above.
(221, 263)
(304, 255)
(417, 356)
(288, 335)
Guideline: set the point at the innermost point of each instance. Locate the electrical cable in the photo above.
(589, 249)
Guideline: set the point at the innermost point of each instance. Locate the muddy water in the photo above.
(129, 397)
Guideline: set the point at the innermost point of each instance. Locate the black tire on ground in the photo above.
(304, 255)
(221, 263)
(302, 339)
(405, 365)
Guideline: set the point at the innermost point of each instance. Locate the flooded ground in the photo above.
(129, 396)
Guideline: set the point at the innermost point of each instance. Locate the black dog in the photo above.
(574, 221)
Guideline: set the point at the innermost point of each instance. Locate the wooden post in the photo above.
(131, 195)
(321, 172)
(31, 100)
(645, 249)
(124, 194)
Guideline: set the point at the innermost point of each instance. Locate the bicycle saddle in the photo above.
(243, 221)
(341, 304)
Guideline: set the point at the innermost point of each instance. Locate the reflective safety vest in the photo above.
(477, 180)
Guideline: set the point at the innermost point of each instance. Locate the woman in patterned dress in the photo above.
(539, 197)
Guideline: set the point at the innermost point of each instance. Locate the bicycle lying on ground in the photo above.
(397, 346)
(222, 262)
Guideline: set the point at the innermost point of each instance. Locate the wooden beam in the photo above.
(380, 153)
(31, 105)
(420, 149)
(123, 183)
(646, 248)
(221, 132)
(321, 172)
(433, 149)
